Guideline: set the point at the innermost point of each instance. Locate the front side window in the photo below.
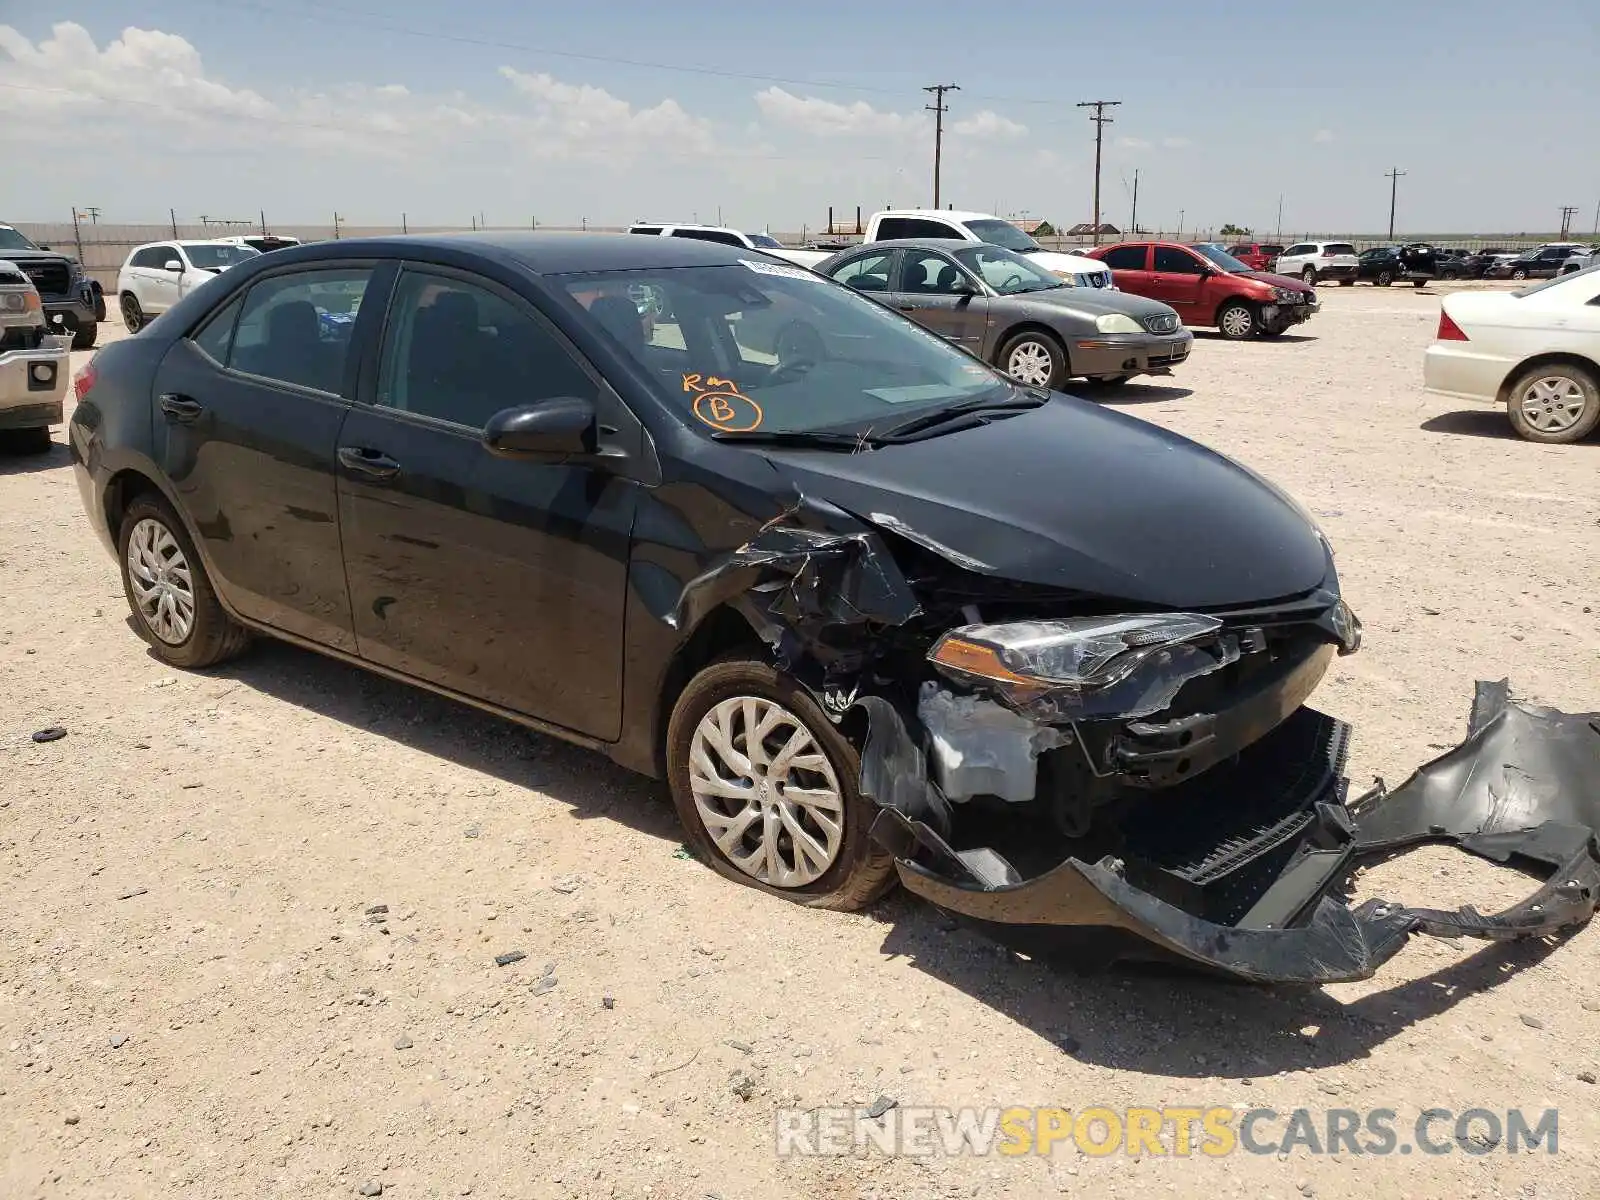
(460, 352)
(1124, 258)
(761, 346)
(869, 273)
(926, 274)
(1173, 261)
(296, 327)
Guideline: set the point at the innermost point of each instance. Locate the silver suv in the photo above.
(34, 366)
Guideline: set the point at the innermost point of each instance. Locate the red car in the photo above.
(1208, 286)
(1258, 256)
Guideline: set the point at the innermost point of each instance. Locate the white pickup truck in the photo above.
(733, 237)
(895, 223)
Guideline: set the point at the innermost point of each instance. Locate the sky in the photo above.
(763, 116)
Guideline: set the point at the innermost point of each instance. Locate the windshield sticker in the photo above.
(720, 404)
(782, 270)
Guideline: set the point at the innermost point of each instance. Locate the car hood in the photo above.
(1076, 496)
(34, 256)
(1092, 302)
(1054, 260)
(1282, 281)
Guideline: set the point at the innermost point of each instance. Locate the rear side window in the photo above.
(216, 335)
(1300, 250)
(1339, 248)
(459, 352)
(869, 273)
(651, 230)
(914, 227)
(1125, 258)
(1272, 249)
(709, 235)
(1176, 262)
(296, 328)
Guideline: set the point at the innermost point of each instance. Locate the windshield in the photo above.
(765, 241)
(765, 346)
(1002, 233)
(1218, 257)
(1580, 282)
(212, 257)
(1006, 271)
(10, 239)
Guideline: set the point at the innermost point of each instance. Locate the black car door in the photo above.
(247, 416)
(497, 578)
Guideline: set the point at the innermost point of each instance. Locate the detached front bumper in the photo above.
(1244, 874)
(1112, 354)
(33, 385)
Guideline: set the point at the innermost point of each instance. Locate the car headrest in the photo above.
(294, 321)
(620, 317)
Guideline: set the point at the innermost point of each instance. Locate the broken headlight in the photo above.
(1086, 667)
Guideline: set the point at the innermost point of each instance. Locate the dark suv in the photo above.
(72, 304)
(1543, 263)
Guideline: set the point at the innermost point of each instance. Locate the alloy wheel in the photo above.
(163, 586)
(1553, 404)
(765, 792)
(131, 316)
(1030, 363)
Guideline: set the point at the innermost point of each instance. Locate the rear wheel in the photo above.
(132, 314)
(1309, 275)
(1555, 404)
(1237, 320)
(765, 786)
(83, 336)
(1519, 273)
(26, 441)
(1034, 358)
(174, 605)
(1384, 279)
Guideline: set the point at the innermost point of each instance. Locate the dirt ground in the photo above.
(195, 1001)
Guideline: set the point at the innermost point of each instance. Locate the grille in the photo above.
(51, 278)
(1098, 279)
(1162, 323)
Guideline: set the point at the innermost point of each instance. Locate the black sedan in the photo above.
(997, 305)
(1416, 264)
(874, 610)
(1543, 263)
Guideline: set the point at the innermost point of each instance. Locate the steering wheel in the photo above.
(1013, 281)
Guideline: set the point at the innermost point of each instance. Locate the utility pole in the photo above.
(1100, 122)
(1568, 211)
(1133, 219)
(336, 227)
(938, 108)
(1279, 234)
(1597, 218)
(263, 222)
(1394, 175)
(173, 213)
(92, 213)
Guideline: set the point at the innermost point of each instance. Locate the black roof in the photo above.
(544, 253)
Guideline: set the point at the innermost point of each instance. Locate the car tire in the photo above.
(1272, 331)
(1384, 279)
(83, 336)
(177, 581)
(1419, 284)
(1309, 276)
(846, 869)
(1238, 321)
(1519, 273)
(27, 441)
(132, 315)
(99, 303)
(1555, 404)
(1040, 357)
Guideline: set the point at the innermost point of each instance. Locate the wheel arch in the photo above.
(722, 630)
(1548, 359)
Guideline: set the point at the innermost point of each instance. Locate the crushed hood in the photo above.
(1074, 496)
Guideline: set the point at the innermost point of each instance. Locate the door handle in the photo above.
(181, 408)
(908, 308)
(374, 464)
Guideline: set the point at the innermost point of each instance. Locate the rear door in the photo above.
(935, 292)
(1177, 279)
(248, 410)
(500, 579)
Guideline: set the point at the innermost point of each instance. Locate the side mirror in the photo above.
(173, 264)
(548, 431)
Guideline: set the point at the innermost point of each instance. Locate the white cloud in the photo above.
(1322, 136)
(1176, 143)
(989, 125)
(1133, 143)
(811, 114)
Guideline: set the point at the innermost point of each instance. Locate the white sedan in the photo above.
(1537, 351)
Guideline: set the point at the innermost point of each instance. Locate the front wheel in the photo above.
(174, 605)
(1309, 276)
(1419, 284)
(1554, 404)
(1519, 273)
(1237, 320)
(132, 314)
(83, 336)
(1384, 279)
(765, 786)
(1034, 359)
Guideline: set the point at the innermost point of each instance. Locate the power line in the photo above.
(938, 108)
(1393, 175)
(1100, 122)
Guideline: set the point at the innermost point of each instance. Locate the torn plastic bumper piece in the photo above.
(1522, 789)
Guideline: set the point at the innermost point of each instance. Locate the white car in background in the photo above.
(159, 274)
(725, 236)
(1537, 351)
(1316, 261)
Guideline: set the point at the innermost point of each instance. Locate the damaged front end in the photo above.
(1097, 784)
